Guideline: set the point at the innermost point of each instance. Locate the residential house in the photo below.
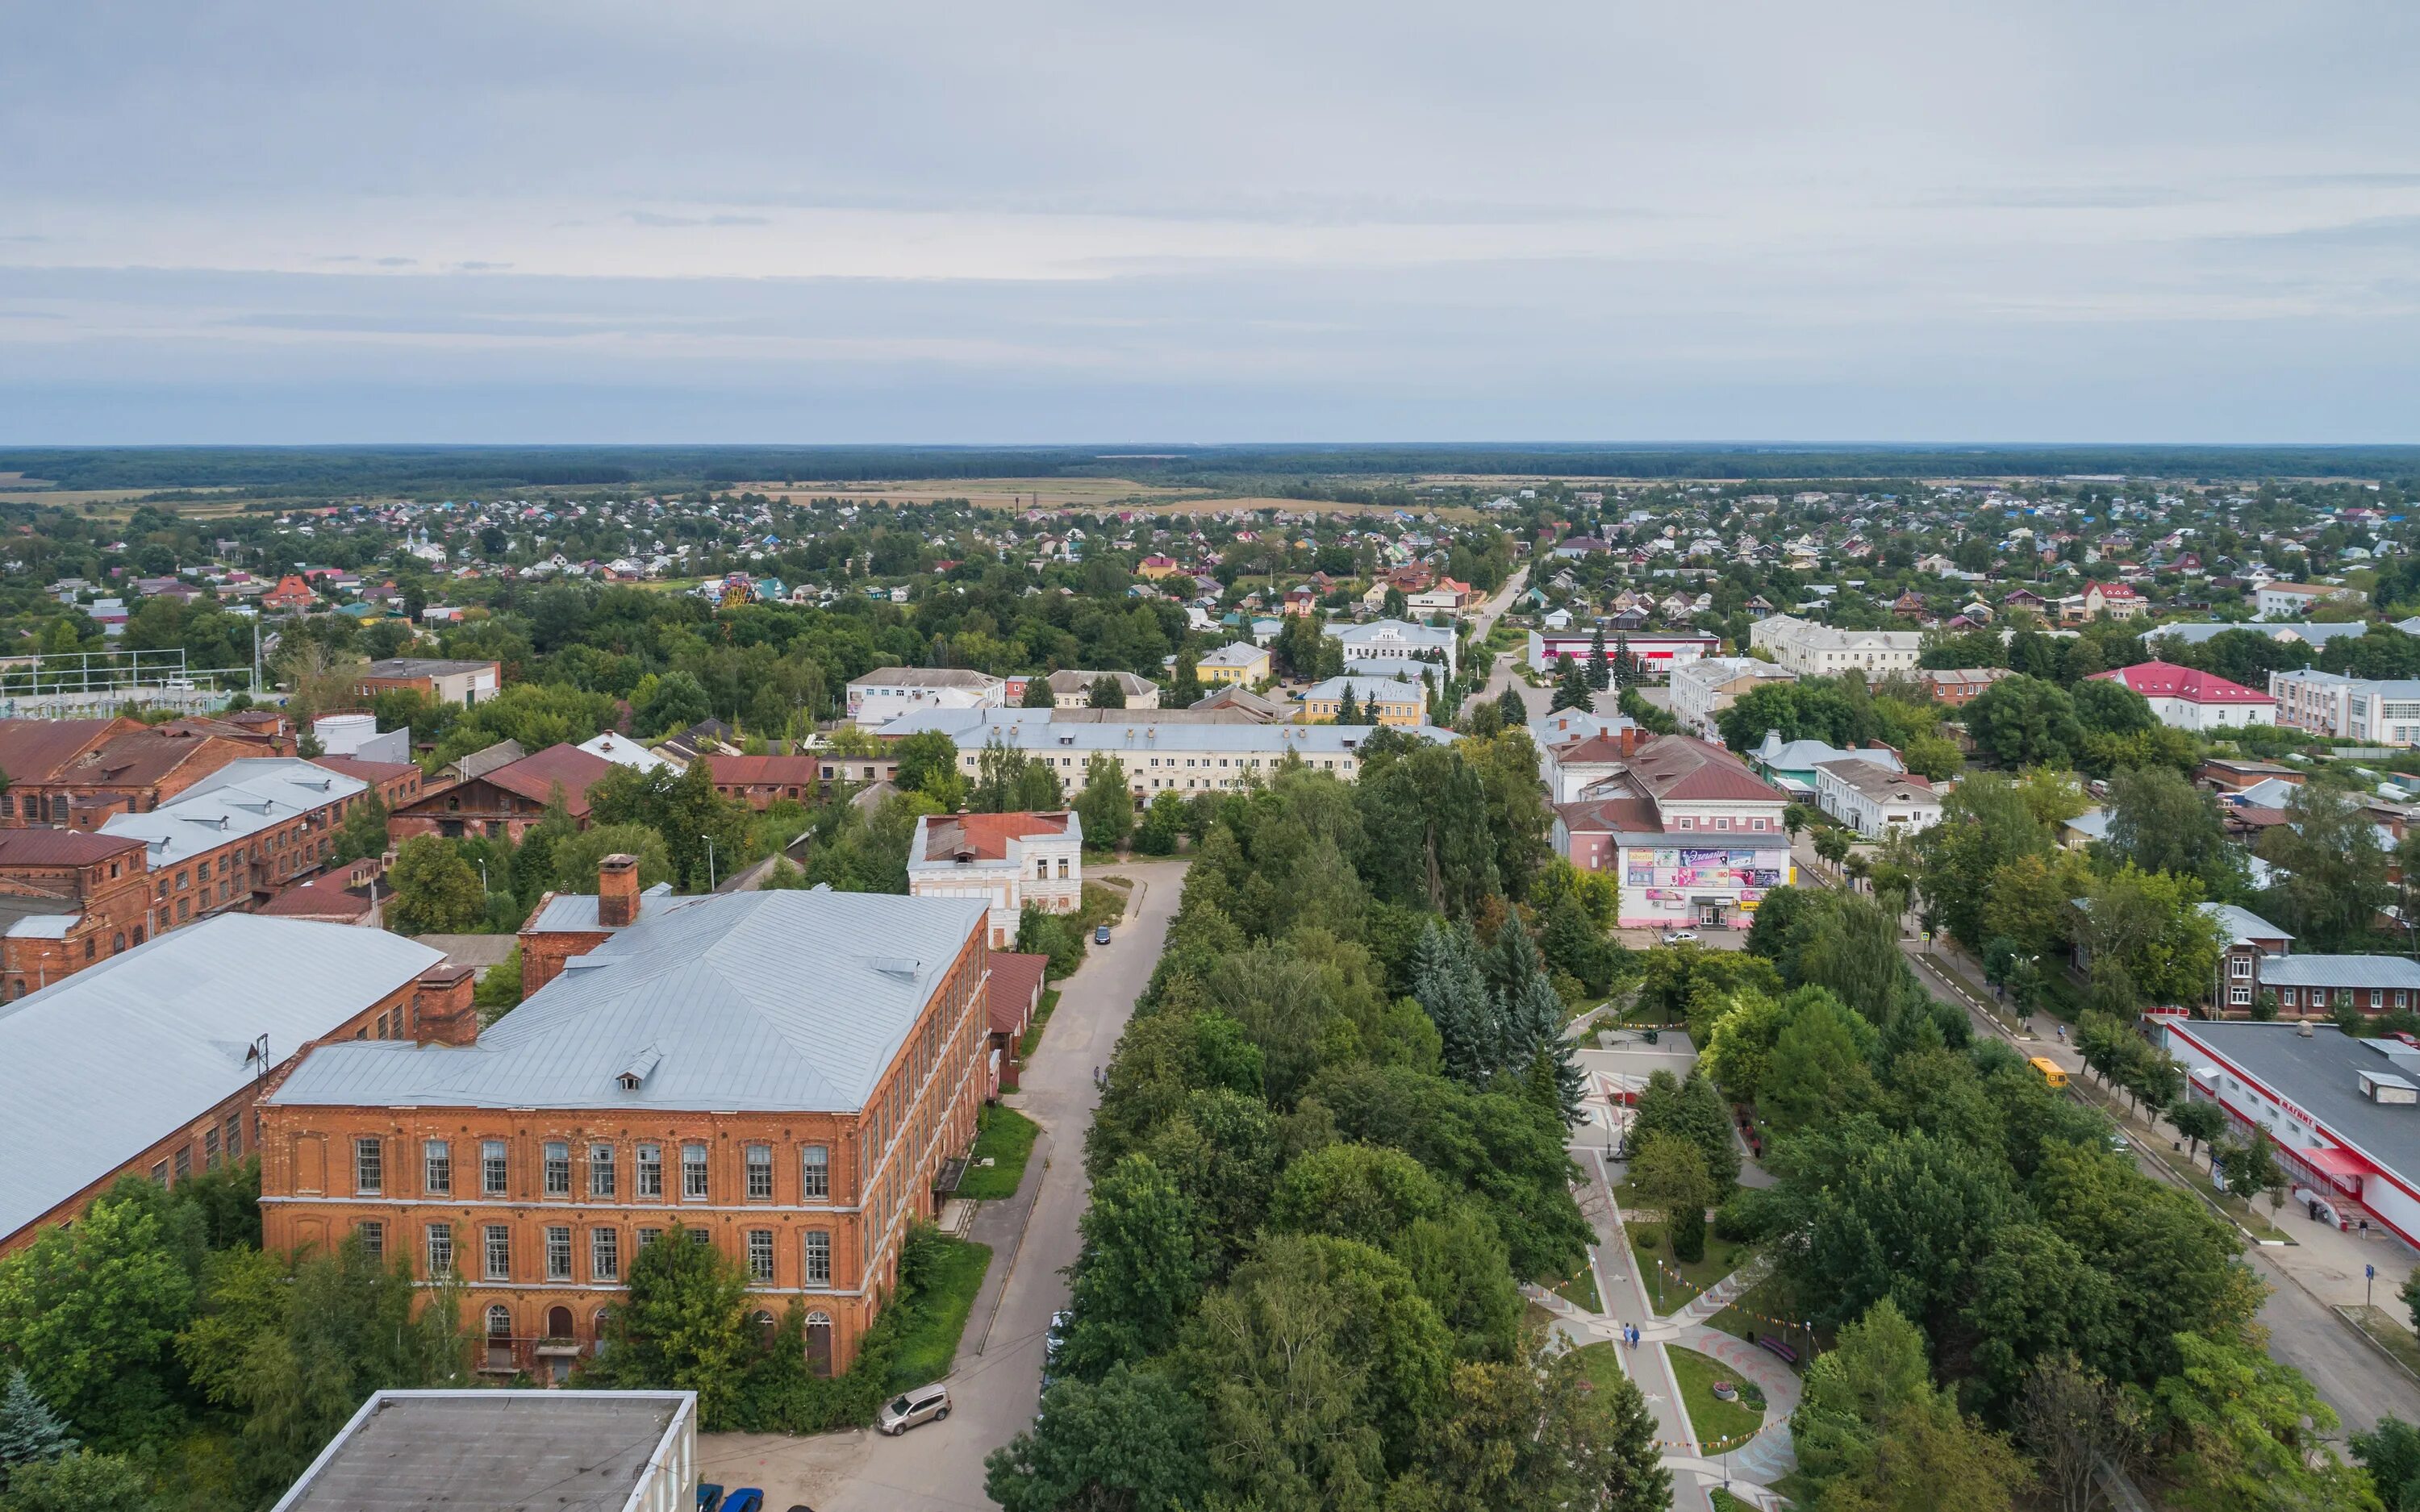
(2186, 698)
(1234, 663)
(1073, 690)
(1792, 765)
(761, 781)
(1959, 687)
(1014, 995)
(1875, 800)
(1379, 700)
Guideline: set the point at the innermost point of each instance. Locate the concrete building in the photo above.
(2288, 601)
(444, 682)
(1399, 643)
(148, 1062)
(2337, 1111)
(1694, 837)
(1702, 690)
(508, 1450)
(1875, 800)
(1072, 689)
(2379, 712)
(1658, 652)
(1380, 700)
(2186, 698)
(1813, 650)
(887, 692)
(1571, 769)
(1956, 688)
(1236, 663)
(1158, 756)
(1013, 861)
(785, 1072)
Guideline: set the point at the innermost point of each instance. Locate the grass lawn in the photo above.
(1769, 1298)
(1725, 1502)
(1603, 1362)
(2392, 1334)
(1004, 1136)
(938, 1315)
(1033, 1030)
(1580, 1290)
(1646, 1242)
(1716, 1423)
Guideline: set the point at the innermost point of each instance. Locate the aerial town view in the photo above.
(755, 760)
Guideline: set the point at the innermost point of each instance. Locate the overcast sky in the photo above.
(1068, 220)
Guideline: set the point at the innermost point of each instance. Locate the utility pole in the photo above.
(709, 861)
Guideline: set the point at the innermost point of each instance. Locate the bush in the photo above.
(1745, 1216)
(1688, 1227)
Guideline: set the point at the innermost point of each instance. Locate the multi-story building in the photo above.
(2246, 939)
(1875, 800)
(68, 900)
(1379, 700)
(2288, 601)
(761, 781)
(73, 774)
(1170, 756)
(1396, 642)
(1960, 687)
(442, 682)
(397, 783)
(1694, 837)
(2187, 697)
(1238, 662)
(1657, 653)
(1703, 689)
(2381, 711)
(1013, 861)
(1813, 650)
(1072, 689)
(237, 838)
(1571, 768)
(781, 1074)
(885, 693)
(505, 801)
(149, 1063)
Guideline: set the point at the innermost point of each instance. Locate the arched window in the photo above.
(819, 1343)
(558, 1322)
(603, 1320)
(766, 1327)
(500, 1322)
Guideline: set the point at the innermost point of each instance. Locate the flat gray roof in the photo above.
(492, 1451)
(2317, 1075)
(2340, 971)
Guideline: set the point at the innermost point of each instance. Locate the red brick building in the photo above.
(73, 774)
(505, 802)
(396, 782)
(783, 1072)
(68, 900)
(759, 782)
(150, 1063)
(240, 836)
(291, 595)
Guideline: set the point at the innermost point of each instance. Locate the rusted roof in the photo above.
(61, 847)
(1016, 986)
(1685, 769)
(373, 773)
(320, 898)
(32, 750)
(145, 756)
(986, 835)
(759, 770)
(535, 777)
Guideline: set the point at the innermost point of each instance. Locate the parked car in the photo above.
(1101, 934)
(1674, 936)
(709, 1496)
(1054, 1341)
(746, 1498)
(925, 1404)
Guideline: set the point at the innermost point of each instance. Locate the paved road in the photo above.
(997, 1379)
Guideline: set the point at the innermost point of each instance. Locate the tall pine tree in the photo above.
(1447, 982)
(29, 1431)
(1599, 675)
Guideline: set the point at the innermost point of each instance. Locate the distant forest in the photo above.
(300, 472)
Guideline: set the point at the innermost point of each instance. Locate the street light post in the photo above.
(709, 861)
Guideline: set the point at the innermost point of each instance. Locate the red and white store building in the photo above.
(2342, 1114)
(1657, 651)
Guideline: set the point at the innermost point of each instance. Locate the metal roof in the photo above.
(2317, 1074)
(576, 912)
(1236, 654)
(491, 1451)
(2340, 971)
(2241, 926)
(757, 1000)
(97, 1068)
(1137, 734)
(424, 667)
(1385, 690)
(242, 799)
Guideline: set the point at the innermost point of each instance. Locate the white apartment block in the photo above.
(885, 693)
(1873, 800)
(1813, 650)
(1394, 640)
(2384, 713)
(1159, 757)
(1702, 690)
(1011, 860)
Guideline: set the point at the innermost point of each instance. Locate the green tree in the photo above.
(2334, 872)
(2160, 822)
(436, 892)
(1670, 1172)
(1106, 805)
(579, 857)
(2391, 1453)
(29, 1431)
(1819, 1063)
(681, 1328)
(2024, 721)
(1162, 823)
(2234, 1420)
(675, 702)
(534, 869)
(81, 1482)
(1138, 1277)
(1037, 693)
(1107, 693)
(929, 763)
(1355, 1192)
(363, 832)
(90, 1311)
(2152, 926)
(2201, 1123)
(1134, 1443)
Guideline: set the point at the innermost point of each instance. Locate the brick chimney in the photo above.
(617, 891)
(440, 1007)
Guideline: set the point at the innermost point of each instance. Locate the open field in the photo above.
(1061, 493)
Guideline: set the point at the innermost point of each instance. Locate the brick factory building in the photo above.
(74, 773)
(237, 838)
(149, 1063)
(68, 900)
(743, 1065)
(439, 681)
(503, 802)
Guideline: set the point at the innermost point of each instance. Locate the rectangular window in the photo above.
(184, 1163)
(234, 1135)
(699, 1236)
(2240, 996)
(1041, 869)
(815, 1178)
(2239, 966)
(760, 1255)
(1683, 823)
(558, 1168)
(558, 1251)
(373, 1237)
(818, 1258)
(369, 1167)
(500, 1252)
(694, 1186)
(1062, 861)
(600, 1170)
(440, 1252)
(648, 1235)
(760, 1173)
(436, 1168)
(651, 1170)
(211, 1146)
(604, 1255)
(494, 1167)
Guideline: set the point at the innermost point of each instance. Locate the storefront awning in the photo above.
(2342, 1168)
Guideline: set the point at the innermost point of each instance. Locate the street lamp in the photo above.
(709, 861)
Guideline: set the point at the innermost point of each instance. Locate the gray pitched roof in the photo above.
(97, 1068)
(754, 1000)
(2340, 971)
(2242, 925)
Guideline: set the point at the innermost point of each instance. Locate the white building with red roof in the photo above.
(1012, 861)
(1691, 835)
(2186, 698)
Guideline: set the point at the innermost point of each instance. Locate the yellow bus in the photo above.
(2049, 1070)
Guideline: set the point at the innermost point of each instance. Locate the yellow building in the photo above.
(1382, 698)
(1238, 663)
